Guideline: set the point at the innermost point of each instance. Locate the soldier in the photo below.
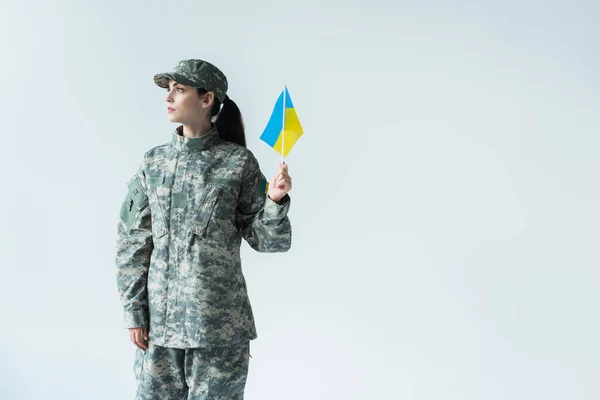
(181, 224)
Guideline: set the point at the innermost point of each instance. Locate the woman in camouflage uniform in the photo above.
(179, 274)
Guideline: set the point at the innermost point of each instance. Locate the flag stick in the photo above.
(283, 127)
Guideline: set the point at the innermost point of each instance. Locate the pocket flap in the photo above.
(155, 179)
(222, 181)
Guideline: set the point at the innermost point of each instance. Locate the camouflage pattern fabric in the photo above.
(192, 374)
(186, 211)
(198, 74)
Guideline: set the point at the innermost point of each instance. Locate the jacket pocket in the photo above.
(205, 225)
(135, 201)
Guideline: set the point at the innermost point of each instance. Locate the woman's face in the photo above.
(186, 106)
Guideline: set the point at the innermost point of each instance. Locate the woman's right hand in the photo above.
(139, 337)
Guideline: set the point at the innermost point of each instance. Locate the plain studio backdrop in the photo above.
(444, 209)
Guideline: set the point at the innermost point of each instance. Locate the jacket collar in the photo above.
(182, 143)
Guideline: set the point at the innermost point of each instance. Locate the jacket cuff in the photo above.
(276, 211)
(135, 319)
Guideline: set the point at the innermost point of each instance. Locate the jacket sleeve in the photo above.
(134, 248)
(264, 224)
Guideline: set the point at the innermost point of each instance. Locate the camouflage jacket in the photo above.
(178, 249)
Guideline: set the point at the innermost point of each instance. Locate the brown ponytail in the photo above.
(229, 123)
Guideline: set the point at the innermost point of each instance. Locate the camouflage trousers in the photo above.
(192, 374)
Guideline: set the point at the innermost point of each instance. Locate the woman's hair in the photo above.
(229, 123)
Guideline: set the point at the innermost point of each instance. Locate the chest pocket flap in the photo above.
(222, 181)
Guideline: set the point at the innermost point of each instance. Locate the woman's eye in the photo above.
(179, 90)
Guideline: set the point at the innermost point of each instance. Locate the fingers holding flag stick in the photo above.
(281, 183)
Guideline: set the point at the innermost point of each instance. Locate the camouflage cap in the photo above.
(198, 74)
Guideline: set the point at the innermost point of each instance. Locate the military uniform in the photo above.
(179, 272)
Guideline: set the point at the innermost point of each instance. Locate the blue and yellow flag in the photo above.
(275, 134)
(264, 185)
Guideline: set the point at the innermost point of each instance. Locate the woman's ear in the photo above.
(208, 99)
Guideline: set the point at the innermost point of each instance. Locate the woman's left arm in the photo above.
(262, 217)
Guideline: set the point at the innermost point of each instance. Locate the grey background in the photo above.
(444, 202)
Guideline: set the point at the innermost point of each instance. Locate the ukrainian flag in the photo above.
(264, 185)
(275, 134)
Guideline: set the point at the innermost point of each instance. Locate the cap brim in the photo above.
(163, 80)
